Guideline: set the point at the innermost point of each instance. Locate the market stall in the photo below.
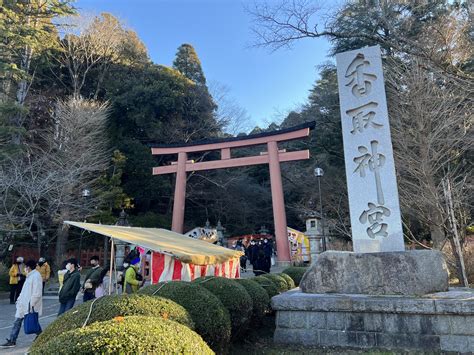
(173, 256)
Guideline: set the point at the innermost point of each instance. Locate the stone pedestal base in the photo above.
(437, 322)
(414, 272)
(283, 264)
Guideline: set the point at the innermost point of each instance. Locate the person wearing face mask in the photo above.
(251, 253)
(44, 269)
(17, 278)
(92, 279)
(71, 286)
(121, 275)
(133, 280)
(31, 297)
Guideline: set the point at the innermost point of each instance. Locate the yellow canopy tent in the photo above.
(186, 249)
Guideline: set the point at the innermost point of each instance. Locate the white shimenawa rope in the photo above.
(90, 312)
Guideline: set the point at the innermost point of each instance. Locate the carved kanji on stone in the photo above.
(363, 117)
(360, 80)
(374, 215)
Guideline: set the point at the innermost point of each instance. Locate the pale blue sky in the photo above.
(266, 84)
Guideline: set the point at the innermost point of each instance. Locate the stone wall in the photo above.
(439, 322)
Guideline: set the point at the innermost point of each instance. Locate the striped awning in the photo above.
(187, 250)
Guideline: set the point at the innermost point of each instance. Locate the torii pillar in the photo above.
(273, 157)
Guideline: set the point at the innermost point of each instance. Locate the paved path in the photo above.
(7, 316)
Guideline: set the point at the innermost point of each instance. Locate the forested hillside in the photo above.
(81, 103)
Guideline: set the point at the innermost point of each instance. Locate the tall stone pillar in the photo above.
(279, 216)
(179, 194)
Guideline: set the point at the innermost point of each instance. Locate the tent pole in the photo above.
(111, 264)
(151, 267)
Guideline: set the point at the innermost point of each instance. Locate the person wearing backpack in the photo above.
(133, 280)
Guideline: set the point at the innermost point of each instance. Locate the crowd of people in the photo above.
(27, 283)
(258, 252)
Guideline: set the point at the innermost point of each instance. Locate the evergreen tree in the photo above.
(188, 64)
(26, 31)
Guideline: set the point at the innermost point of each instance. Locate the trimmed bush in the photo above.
(279, 282)
(108, 307)
(296, 273)
(127, 335)
(289, 281)
(259, 298)
(211, 318)
(234, 297)
(267, 285)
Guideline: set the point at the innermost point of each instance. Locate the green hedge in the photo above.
(279, 282)
(259, 298)
(267, 285)
(289, 281)
(296, 273)
(127, 335)
(234, 297)
(210, 317)
(108, 307)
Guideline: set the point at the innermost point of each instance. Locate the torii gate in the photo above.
(273, 157)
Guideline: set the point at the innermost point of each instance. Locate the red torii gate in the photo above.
(272, 157)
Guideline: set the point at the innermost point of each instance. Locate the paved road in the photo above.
(7, 316)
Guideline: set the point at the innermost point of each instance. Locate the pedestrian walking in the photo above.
(31, 298)
(71, 286)
(44, 269)
(92, 279)
(17, 278)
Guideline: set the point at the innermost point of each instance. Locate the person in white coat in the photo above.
(31, 297)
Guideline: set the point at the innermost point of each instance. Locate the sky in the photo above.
(266, 84)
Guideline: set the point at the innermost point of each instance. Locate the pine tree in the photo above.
(188, 64)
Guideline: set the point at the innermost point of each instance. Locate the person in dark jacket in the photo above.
(259, 263)
(252, 252)
(243, 259)
(268, 251)
(92, 280)
(71, 286)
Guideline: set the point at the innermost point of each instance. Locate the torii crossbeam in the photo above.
(273, 157)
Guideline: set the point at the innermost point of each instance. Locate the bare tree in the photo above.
(232, 117)
(432, 131)
(89, 42)
(388, 23)
(45, 186)
(78, 149)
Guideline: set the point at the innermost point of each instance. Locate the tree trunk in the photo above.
(437, 236)
(61, 241)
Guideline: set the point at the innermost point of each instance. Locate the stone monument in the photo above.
(379, 296)
(370, 169)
